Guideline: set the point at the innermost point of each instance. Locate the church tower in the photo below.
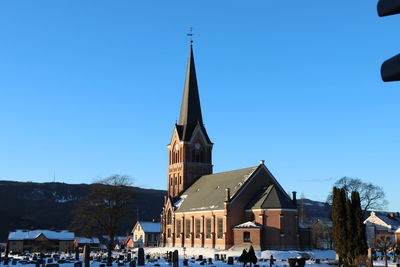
(190, 147)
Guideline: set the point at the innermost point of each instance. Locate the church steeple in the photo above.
(190, 113)
(190, 148)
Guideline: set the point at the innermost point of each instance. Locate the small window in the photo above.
(169, 217)
(246, 237)
(197, 228)
(188, 229)
(208, 228)
(220, 227)
(169, 232)
(178, 228)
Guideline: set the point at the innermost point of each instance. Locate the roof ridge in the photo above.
(230, 171)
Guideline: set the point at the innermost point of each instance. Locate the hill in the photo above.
(27, 205)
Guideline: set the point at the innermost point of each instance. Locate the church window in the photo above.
(169, 217)
(208, 228)
(188, 229)
(179, 228)
(169, 232)
(220, 227)
(246, 237)
(197, 222)
(193, 155)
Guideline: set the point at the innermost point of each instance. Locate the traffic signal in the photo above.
(390, 70)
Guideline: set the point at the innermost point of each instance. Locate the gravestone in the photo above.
(140, 257)
(230, 261)
(292, 262)
(52, 265)
(185, 262)
(132, 263)
(102, 265)
(317, 261)
(301, 262)
(200, 258)
(49, 261)
(175, 258)
(271, 260)
(86, 255)
(169, 256)
(128, 257)
(210, 261)
(78, 264)
(216, 257)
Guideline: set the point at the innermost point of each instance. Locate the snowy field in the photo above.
(157, 255)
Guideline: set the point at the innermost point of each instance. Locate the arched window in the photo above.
(169, 217)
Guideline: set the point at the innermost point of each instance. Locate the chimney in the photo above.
(294, 198)
(227, 194)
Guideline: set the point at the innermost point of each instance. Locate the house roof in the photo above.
(391, 219)
(150, 227)
(271, 197)
(248, 225)
(33, 234)
(208, 192)
(87, 240)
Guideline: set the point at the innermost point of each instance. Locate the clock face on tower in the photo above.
(197, 146)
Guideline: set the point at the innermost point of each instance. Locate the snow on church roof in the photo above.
(33, 234)
(247, 225)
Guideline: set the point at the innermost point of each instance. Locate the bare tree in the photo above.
(101, 211)
(384, 244)
(372, 196)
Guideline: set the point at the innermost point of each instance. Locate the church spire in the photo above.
(190, 109)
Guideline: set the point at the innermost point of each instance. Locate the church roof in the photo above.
(208, 192)
(190, 114)
(271, 197)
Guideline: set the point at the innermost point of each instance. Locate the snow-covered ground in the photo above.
(326, 257)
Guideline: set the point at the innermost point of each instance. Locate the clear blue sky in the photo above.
(93, 88)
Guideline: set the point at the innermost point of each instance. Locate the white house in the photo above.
(383, 224)
(146, 234)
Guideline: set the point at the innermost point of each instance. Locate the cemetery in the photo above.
(175, 257)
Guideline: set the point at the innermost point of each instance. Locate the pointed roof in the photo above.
(190, 114)
(271, 197)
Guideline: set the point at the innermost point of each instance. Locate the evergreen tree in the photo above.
(351, 229)
(361, 247)
(243, 258)
(251, 256)
(339, 222)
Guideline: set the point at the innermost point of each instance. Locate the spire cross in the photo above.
(190, 34)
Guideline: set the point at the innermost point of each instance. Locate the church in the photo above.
(227, 210)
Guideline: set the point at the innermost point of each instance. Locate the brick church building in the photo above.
(233, 209)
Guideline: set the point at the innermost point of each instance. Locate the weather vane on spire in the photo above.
(190, 34)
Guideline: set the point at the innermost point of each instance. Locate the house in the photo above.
(383, 224)
(93, 242)
(146, 234)
(41, 240)
(232, 209)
